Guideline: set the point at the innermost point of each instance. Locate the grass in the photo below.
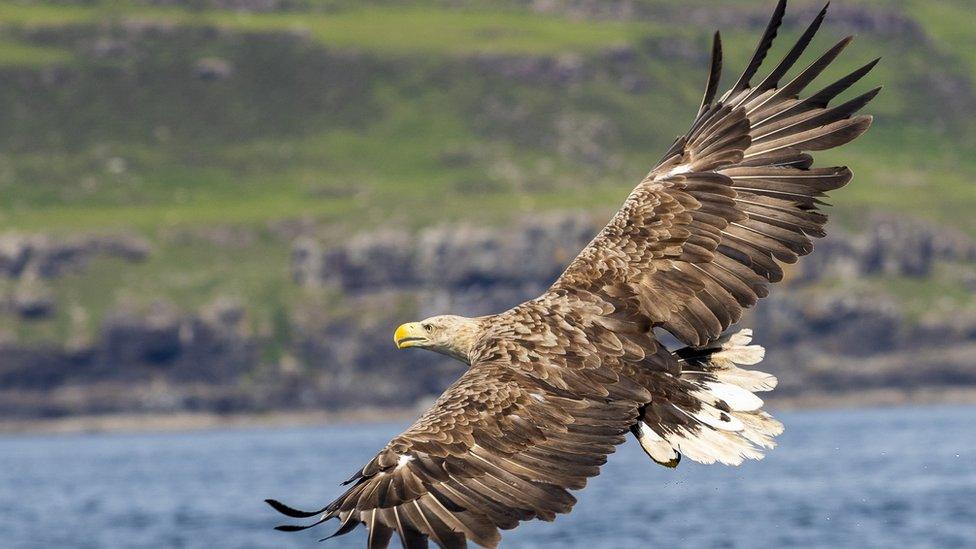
(921, 298)
(950, 24)
(385, 29)
(379, 119)
(18, 54)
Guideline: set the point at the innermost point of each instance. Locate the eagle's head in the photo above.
(446, 334)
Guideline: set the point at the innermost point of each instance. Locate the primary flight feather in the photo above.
(556, 383)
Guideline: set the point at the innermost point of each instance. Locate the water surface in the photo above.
(902, 477)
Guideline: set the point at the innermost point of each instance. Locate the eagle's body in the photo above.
(555, 383)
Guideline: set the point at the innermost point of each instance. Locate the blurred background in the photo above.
(216, 212)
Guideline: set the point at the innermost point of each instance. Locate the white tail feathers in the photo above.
(723, 421)
(736, 350)
(656, 447)
(738, 399)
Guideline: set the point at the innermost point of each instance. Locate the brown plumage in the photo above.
(555, 384)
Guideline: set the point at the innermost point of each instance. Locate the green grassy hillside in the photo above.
(177, 121)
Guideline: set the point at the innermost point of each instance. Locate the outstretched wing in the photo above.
(705, 232)
(534, 417)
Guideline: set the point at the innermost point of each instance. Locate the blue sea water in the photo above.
(900, 477)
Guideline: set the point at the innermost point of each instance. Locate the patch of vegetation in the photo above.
(389, 29)
(363, 115)
(18, 54)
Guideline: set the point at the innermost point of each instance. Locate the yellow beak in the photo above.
(409, 335)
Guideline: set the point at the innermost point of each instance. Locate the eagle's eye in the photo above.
(429, 328)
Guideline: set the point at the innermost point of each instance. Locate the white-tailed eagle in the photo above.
(556, 383)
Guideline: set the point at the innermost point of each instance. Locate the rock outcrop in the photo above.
(824, 334)
(44, 256)
(154, 360)
(29, 261)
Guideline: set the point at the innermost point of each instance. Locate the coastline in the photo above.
(185, 421)
(197, 421)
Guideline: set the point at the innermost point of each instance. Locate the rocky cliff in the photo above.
(828, 329)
